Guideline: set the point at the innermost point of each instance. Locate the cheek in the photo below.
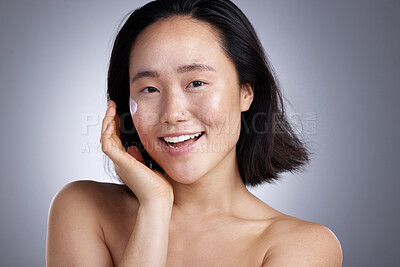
(144, 121)
(211, 108)
(220, 112)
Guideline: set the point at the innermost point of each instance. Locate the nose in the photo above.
(173, 110)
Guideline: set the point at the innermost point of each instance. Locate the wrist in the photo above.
(157, 206)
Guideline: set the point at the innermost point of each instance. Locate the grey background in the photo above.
(338, 63)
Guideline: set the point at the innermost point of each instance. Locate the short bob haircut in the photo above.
(267, 144)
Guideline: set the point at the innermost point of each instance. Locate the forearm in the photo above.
(148, 243)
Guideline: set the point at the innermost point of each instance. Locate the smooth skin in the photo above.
(199, 213)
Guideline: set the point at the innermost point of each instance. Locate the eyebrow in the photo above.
(180, 69)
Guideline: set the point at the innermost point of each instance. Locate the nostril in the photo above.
(174, 117)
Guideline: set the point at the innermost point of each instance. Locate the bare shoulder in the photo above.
(74, 231)
(295, 242)
(89, 186)
(94, 194)
(91, 197)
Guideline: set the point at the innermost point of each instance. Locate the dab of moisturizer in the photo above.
(132, 105)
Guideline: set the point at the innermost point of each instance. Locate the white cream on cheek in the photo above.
(145, 119)
(132, 106)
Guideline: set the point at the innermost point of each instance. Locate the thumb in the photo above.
(135, 152)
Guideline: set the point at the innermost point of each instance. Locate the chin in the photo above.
(187, 176)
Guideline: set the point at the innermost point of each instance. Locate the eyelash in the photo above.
(203, 83)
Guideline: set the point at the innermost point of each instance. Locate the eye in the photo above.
(197, 83)
(150, 90)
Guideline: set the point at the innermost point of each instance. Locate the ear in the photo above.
(246, 96)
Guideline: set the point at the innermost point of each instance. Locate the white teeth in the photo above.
(171, 146)
(181, 138)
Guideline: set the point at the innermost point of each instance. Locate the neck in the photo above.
(216, 192)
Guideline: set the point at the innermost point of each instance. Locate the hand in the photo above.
(148, 185)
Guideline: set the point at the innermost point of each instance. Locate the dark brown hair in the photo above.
(267, 144)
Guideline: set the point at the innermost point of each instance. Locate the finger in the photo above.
(116, 122)
(117, 125)
(110, 142)
(109, 130)
(110, 135)
(109, 116)
(135, 152)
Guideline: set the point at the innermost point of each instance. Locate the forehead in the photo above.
(176, 40)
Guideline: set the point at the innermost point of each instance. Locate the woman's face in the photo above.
(183, 83)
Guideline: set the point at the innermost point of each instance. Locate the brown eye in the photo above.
(197, 83)
(150, 89)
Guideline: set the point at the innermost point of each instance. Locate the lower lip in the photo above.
(180, 150)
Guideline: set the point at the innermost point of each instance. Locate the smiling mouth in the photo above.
(182, 143)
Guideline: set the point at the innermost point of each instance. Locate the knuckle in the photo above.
(105, 147)
(104, 121)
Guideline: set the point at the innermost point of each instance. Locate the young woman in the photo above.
(194, 116)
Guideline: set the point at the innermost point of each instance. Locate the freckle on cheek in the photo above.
(146, 120)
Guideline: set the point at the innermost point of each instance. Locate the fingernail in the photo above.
(108, 103)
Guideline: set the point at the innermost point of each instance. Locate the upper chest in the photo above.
(219, 241)
(230, 245)
(222, 243)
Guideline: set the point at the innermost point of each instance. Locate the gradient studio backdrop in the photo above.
(338, 64)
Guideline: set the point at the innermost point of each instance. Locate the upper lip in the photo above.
(179, 134)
